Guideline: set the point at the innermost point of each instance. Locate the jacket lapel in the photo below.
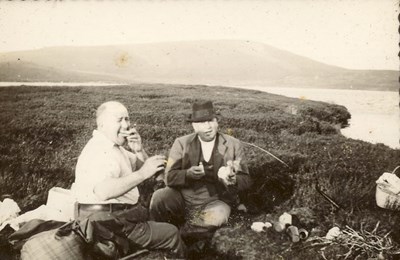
(194, 151)
(219, 155)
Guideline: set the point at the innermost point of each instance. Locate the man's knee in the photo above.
(157, 198)
(167, 205)
(165, 196)
(217, 215)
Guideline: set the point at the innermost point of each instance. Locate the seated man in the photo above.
(107, 176)
(204, 173)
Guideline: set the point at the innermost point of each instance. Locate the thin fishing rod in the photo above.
(267, 153)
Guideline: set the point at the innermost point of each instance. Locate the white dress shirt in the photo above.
(101, 159)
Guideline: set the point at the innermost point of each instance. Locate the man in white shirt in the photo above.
(107, 176)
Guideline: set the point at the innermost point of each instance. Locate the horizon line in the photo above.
(188, 41)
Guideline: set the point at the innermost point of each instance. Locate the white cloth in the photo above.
(101, 159)
(60, 207)
(9, 210)
(207, 148)
(43, 212)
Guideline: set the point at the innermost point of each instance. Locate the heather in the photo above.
(43, 130)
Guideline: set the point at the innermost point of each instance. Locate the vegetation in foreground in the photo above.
(45, 128)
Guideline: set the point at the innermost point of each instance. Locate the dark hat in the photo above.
(202, 111)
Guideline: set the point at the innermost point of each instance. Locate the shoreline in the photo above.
(371, 121)
(59, 84)
(100, 84)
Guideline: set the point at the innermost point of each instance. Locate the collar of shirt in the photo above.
(103, 140)
(210, 143)
(206, 148)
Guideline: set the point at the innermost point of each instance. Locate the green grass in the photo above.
(43, 130)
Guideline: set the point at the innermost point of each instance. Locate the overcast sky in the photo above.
(356, 34)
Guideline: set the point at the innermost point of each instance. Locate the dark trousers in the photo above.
(131, 227)
(168, 205)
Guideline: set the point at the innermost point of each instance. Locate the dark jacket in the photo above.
(185, 152)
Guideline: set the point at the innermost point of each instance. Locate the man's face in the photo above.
(206, 130)
(114, 120)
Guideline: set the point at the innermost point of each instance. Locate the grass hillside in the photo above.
(212, 62)
(30, 72)
(45, 128)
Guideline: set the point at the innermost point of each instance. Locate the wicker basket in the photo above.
(385, 198)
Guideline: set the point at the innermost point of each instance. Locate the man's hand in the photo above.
(152, 165)
(235, 164)
(227, 174)
(134, 140)
(196, 172)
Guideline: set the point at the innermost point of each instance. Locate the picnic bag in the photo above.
(57, 244)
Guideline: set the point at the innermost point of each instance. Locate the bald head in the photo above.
(112, 120)
(107, 108)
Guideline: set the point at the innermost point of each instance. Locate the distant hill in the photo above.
(31, 72)
(214, 62)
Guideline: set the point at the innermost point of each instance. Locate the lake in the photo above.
(375, 115)
(58, 84)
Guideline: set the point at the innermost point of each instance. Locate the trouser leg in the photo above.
(167, 205)
(213, 214)
(156, 235)
(203, 221)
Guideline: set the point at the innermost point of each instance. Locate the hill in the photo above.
(214, 62)
(31, 72)
(40, 146)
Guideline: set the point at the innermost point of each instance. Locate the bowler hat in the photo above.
(202, 111)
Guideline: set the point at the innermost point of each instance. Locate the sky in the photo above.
(354, 34)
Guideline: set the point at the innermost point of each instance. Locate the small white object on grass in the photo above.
(242, 207)
(268, 224)
(279, 227)
(260, 226)
(285, 218)
(333, 233)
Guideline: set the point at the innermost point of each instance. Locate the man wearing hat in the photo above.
(204, 173)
